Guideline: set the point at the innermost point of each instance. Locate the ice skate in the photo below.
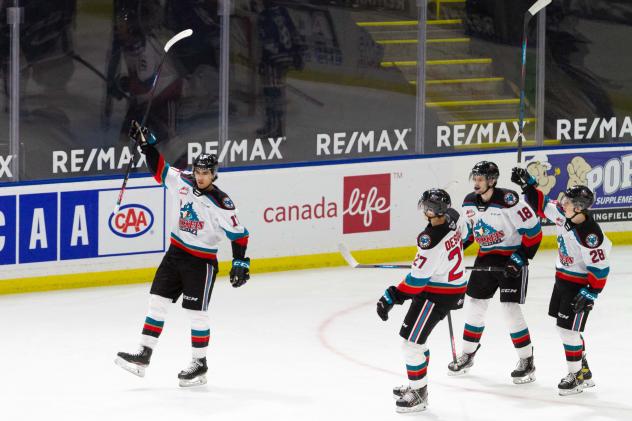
(524, 372)
(414, 400)
(572, 384)
(463, 363)
(399, 391)
(586, 374)
(195, 374)
(134, 363)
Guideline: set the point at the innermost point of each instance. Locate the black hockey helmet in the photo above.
(580, 196)
(436, 200)
(207, 162)
(487, 169)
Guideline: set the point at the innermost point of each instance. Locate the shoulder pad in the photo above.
(505, 198)
(221, 199)
(431, 236)
(590, 234)
(452, 218)
(470, 199)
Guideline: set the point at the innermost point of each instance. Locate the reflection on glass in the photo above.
(311, 80)
(473, 75)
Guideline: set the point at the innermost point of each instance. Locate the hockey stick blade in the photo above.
(538, 5)
(177, 37)
(354, 263)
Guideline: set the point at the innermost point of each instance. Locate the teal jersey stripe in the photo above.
(232, 236)
(200, 332)
(474, 328)
(194, 247)
(442, 285)
(573, 347)
(599, 273)
(519, 334)
(163, 175)
(568, 272)
(530, 231)
(416, 367)
(510, 248)
(153, 322)
(416, 282)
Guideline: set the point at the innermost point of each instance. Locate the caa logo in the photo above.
(131, 220)
(367, 203)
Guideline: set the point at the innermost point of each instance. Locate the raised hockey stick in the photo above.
(531, 12)
(177, 37)
(354, 263)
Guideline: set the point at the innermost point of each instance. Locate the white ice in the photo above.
(303, 345)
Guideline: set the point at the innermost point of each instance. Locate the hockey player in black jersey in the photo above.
(281, 51)
(435, 285)
(202, 216)
(509, 234)
(580, 271)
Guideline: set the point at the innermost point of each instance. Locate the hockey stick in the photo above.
(177, 37)
(354, 263)
(533, 10)
(452, 337)
(80, 59)
(303, 95)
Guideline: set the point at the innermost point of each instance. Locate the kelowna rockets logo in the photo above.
(485, 235)
(189, 221)
(565, 259)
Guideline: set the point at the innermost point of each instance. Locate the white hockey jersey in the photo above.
(438, 267)
(200, 219)
(504, 224)
(583, 249)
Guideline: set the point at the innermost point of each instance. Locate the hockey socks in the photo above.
(573, 348)
(200, 333)
(416, 364)
(414, 397)
(471, 337)
(155, 320)
(199, 342)
(474, 324)
(518, 330)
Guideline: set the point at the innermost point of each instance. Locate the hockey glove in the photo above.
(513, 267)
(240, 272)
(584, 300)
(385, 304)
(141, 136)
(521, 177)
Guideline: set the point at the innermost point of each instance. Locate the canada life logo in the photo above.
(366, 203)
(131, 220)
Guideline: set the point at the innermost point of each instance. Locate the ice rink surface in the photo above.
(304, 345)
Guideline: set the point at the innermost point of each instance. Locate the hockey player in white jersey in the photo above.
(436, 284)
(509, 234)
(580, 271)
(203, 215)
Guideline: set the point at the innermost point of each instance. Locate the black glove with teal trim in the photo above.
(385, 304)
(521, 177)
(584, 300)
(513, 267)
(141, 136)
(240, 272)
